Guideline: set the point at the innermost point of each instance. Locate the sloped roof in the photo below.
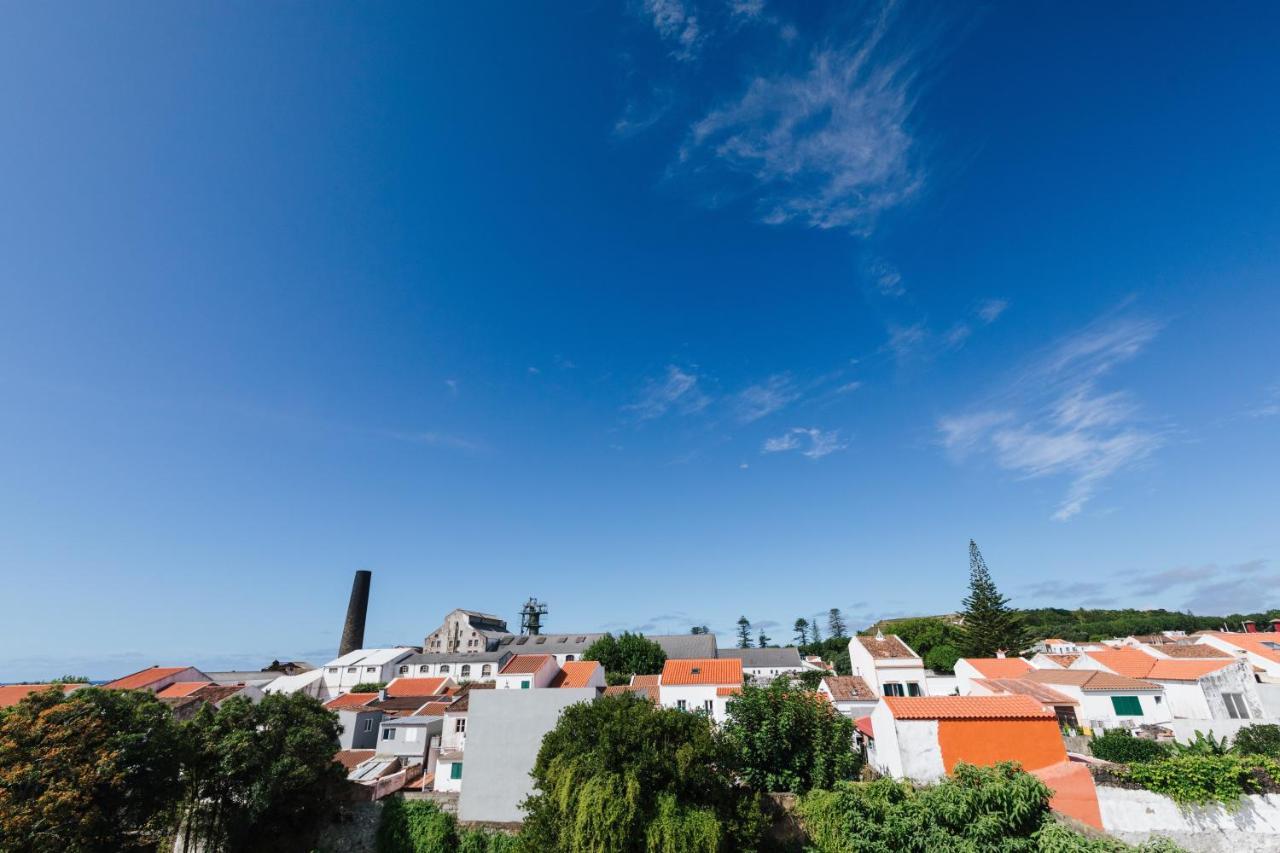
(525, 664)
(1090, 680)
(1128, 661)
(645, 680)
(849, 688)
(12, 694)
(709, 671)
(1063, 661)
(416, 686)
(864, 725)
(1186, 670)
(650, 692)
(350, 758)
(576, 673)
(886, 647)
(1193, 651)
(966, 708)
(1256, 643)
(729, 691)
(462, 704)
(786, 658)
(182, 688)
(351, 701)
(145, 677)
(999, 667)
(1040, 692)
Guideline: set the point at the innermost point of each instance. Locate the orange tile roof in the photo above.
(144, 677)
(1196, 651)
(702, 671)
(1130, 662)
(351, 701)
(433, 709)
(849, 688)
(650, 692)
(12, 694)
(864, 725)
(1034, 689)
(730, 691)
(416, 687)
(1089, 680)
(350, 758)
(888, 646)
(1252, 642)
(182, 688)
(966, 708)
(645, 680)
(1063, 661)
(1186, 670)
(999, 667)
(524, 664)
(576, 673)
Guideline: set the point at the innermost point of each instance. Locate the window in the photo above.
(524, 685)
(368, 725)
(388, 734)
(706, 705)
(486, 670)
(404, 670)
(913, 688)
(1126, 706)
(466, 670)
(351, 669)
(333, 669)
(1236, 709)
(370, 669)
(568, 658)
(460, 725)
(455, 770)
(893, 689)
(422, 668)
(1159, 699)
(444, 667)
(681, 705)
(1275, 647)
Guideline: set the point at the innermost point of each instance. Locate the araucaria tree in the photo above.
(835, 623)
(802, 631)
(764, 640)
(990, 624)
(744, 632)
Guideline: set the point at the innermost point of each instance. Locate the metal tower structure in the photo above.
(531, 616)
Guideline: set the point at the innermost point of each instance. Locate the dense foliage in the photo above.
(787, 738)
(369, 687)
(421, 827)
(260, 777)
(625, 656)
(93, 771)
(1195, 779)
(1123, 748)
(834, 651)
(622, 775)
(990, 625)
(937, 641)
(1081, 625)
(1258, 739)
(998, 809)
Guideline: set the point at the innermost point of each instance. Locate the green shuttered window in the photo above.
(1126, 706)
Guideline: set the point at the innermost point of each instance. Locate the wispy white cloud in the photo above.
(827, 145)
(1210, 589)
(764, 398)
(886, 278)
(808, 441)
(907, 342)
(677, 392)
(746, 8)
(677, 24)
(1051, 419)
(990, 310)
(1270, 406)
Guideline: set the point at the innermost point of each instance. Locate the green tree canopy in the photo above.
(624, 776)
(626, 655)
(990, 624)
(835, 623)
(788, 739)
(802, 631)
(97, 770)
(935, 640)
(744, 632)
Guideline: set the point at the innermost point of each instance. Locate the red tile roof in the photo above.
(576, 673)
(1089, 680)
(999, 667)
(1130, 662)
(966, 708)
(1063, 661)
(864, 725)
(1186, 670)
(729, 691)
(416, 687)
(888, 646)
(702, 671)
(433, 709)
(1041, 693)
(12, 694)
(524, 664)
(351, 701)
(649, 692)
(145, 677)
(1252, 642)
(462, 704)
(1196, 651)
(849, 688)
(349, 758)
(645, 680)
(182, 688)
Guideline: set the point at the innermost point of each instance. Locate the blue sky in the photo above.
(663, 312)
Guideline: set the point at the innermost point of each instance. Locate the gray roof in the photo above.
(677, 646)
(251, 676)
(457, 657)
(762, 658)
(687, 646)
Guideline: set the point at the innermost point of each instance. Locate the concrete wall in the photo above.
(504, 732)
(941, 684)
(1135, 816)
(1269, 695)
(353, 734)
(1096, 708)
(921, 753)
(694, 696)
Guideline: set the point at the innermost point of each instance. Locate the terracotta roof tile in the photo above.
(1186, 670)
(645, 680)
(1040, 692)
(1195, 651)
(849, 688)
(350, 758)
(12, 694)
(705, 671)
(1130, 662)
(728, 691)
(524, 664)
(1089, 680)
(1255, 643)
(999, 667)
(650, 692)
(217, 692)
(864, 725)
(1063, 661)
(416, 687)
(966, 708)
(433, 709)
(144, 678)
(888, 646)
(351, 701)
(576, 673)
(182, 688)
(463, 703)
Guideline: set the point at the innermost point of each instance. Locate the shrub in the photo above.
(369, 687)
(1258, 739)
(1199, 779)
(415, 827)
(1202, 745)
(1123, 748)
(1054, 837)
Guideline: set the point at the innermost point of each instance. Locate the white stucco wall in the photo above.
(1096, 709)
(695, 695)
(965, 673)
(921, 753)
(940, 684)
(1186, 699)
(1135, 816)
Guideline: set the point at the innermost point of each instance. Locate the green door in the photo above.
(455, 770)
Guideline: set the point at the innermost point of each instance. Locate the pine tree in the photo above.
(764, 641)
(699, 629)
(835, 622)
(744, 632)
(815, 633)
(990, 624)
(802, 631)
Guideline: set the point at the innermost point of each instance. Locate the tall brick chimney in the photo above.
(353, 628)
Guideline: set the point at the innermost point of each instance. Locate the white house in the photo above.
(1055, 646)
(1260, 649)
(363, 666)
(1107, 700)
(764, 665)
(1208, 689)
(888, 665)
(460, 666)
(968, 669)
(522, 672)
(850, 694)
(453, 740)
(311, 683)
(700, 685)
(407, 738)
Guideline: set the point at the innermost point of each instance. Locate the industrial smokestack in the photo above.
(353, 628)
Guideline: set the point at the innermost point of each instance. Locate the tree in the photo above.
(95, 770)
(990, 624)
(260, 777)
(835, 623)
(815, 633)
(744, 632)
(699, 629)
(621, 774)
(626, 655)
(764, 640)
(1258, 739)
(802, 631)
(369, 687)
(788, 739)
(935, 640)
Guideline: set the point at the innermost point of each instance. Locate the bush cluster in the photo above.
(1193, 779)
(1123, 748)
(421, 827)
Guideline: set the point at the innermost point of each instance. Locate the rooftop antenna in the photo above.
(531, 617)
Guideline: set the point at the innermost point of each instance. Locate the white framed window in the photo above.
(1236, 709)
(913, 688)
(706, 705)
(370, 669)
(388, 734)
(444, 667)
(333, 669)
(486, 670)
(422, 667)
(351, 669)
(893, 688)
(682, 705)
(466, 670)
(404, 670)
(368, 725)
(460, 725)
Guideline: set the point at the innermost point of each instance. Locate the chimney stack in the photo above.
(1275, 626)
(353, 628)
(1250, 627)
